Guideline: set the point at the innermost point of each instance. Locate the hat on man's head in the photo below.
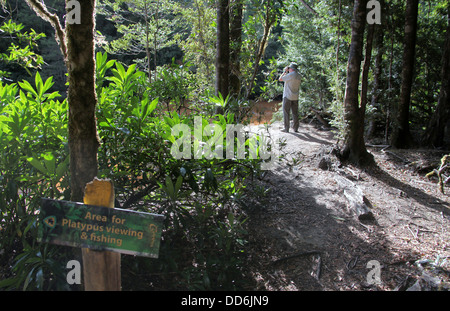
(293, 66)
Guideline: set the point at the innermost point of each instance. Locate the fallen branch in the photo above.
(319, 117)
(443, 179)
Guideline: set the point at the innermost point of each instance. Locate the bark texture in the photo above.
(236, 10)
(435, 133)
(83, 138)
(223, 48)
(354, 149)
(401, 136)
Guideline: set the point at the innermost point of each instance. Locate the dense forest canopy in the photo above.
(376, 71)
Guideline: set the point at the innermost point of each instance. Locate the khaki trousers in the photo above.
(289, 105)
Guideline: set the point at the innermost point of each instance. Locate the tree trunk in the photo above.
(155, 38)
(83, 139)
(269, 21)
(354, 149)
(337, 51)
(77, 46)
(377, 90)
(366, 68)
(401, 136)
(147, 42)
(434, 135)
(223, 50)
(236, 10)
(201, 20)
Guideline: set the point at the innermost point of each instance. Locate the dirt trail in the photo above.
(303, 235)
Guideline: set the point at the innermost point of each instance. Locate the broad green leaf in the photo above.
(62, 168)
(153, 105)
(178, 184)
(27, 87)
(28, 279)
(37, 164)
(50, 162)
(47, 85)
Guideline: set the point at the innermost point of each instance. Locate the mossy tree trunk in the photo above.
(401, 135)
(83, 138)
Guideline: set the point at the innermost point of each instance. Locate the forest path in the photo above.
(303, 236)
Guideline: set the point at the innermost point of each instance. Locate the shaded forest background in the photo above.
(158, 59)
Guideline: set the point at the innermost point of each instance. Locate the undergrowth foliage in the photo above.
(33, 164)
(204, 236)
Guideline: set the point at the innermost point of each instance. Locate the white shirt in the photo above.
(291, 85)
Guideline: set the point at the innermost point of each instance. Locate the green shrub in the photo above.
(204, 237)
(33, 164)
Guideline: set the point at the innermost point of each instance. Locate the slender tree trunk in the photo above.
(155, 38)
(354, 149)
(236, 9)
(83, 139)
(366, 68)
(269, 21)
(401, 136)
(223, 49)
(200, 34)
(434, 135)
(337, 50)
(377, 90)
(147, 41)
(389, 88)
(77, 45)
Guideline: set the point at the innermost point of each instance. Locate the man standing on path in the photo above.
(291, 79)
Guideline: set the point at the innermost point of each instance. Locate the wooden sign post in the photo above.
(101, 269)
(102, 231)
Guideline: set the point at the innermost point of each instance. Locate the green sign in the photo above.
(100, 228)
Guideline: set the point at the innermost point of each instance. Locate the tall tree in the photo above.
(366, 68)
(236, 10)
(81, 95)
(223, 48)
(401, 136)
(77, 45)
(377, 89)
(354, 149)
(434, 135)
